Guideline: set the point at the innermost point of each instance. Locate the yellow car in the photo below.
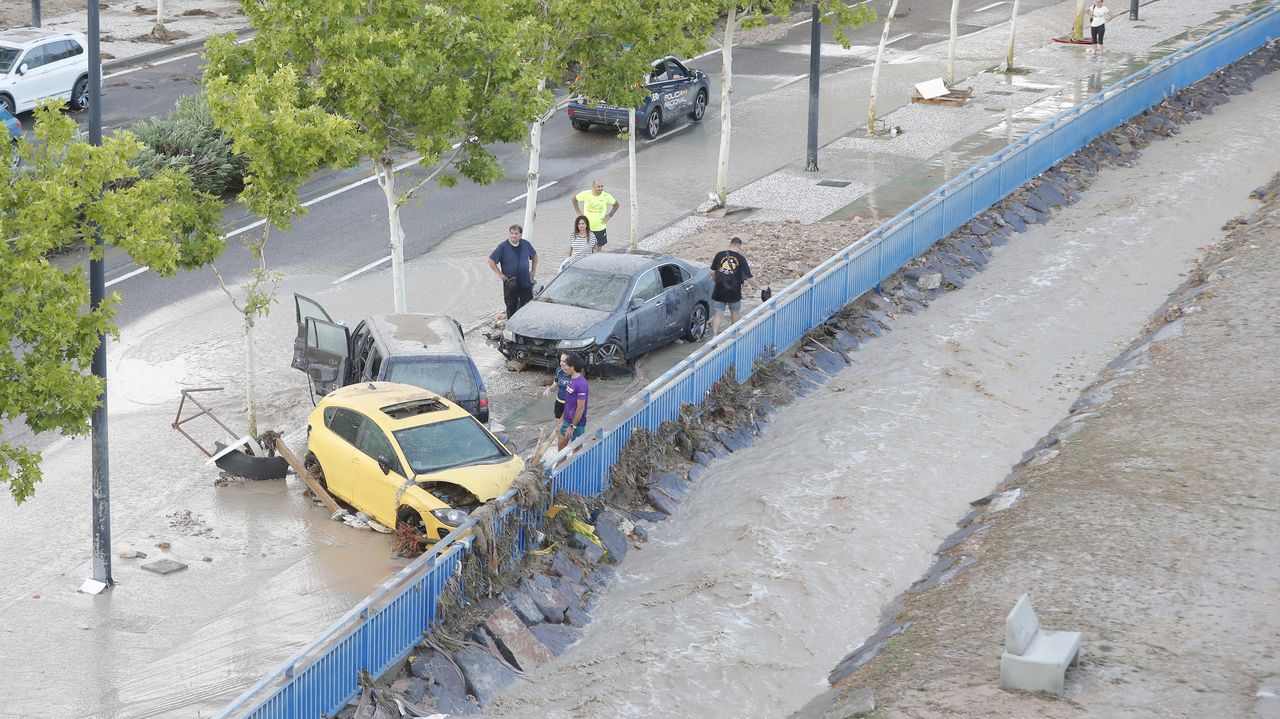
(403, 455)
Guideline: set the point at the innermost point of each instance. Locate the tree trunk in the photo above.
(631, 169)
(1077, 28)
(159, 12)
(386, 172)
(1013, 35)
(251, 386)
(875, 72)
(535, 170)
(726, 93)
(951, 43)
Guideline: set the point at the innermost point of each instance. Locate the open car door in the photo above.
(326, 354)
(305, 308)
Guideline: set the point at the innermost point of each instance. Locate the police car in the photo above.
(674, 90)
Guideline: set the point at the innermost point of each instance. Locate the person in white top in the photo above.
(581, 243)
(1099, 14)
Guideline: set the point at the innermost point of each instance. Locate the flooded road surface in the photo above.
(779, 562)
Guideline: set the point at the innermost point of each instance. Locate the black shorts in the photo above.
(559, 408)
(1097, 31)
(601, 238)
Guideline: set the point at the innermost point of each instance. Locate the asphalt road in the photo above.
(346, 230)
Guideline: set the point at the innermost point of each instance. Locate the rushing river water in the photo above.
(780, 561)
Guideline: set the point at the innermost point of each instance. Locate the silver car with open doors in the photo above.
(427, 351)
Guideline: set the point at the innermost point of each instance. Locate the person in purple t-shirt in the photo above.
(574, 422)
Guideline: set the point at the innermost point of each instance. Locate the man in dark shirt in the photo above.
(515, 262)
(729, 269)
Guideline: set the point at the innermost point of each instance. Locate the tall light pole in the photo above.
(97, 292)
(815, 62)
(35, 13)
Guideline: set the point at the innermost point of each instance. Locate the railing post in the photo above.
(810, 323)
(367, 648)
(291, 706)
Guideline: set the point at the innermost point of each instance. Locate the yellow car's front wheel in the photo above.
(411, 532)
(312, 465)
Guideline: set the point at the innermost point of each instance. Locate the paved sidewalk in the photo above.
(1150, 527)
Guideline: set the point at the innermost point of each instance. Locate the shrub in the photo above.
(186, 138)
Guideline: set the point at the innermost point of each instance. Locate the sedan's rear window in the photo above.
(451, 379)
(586, 288)
(452, 443)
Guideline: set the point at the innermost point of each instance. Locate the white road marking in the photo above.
(259, 223)
(793, 25)
(522, 195)
(366, 268)
(789, 81)
(810, 18)
(172, 59)
(984, 8)
(124, 277)
(669, 133)
(125, 72)
(144, 66)
(904, 36)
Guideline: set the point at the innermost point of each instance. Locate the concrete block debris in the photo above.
(164, 566)
(514, 639)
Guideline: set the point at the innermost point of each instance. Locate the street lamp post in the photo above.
(97, 293)
(1133, 9)
(815, 61)
(35, 13)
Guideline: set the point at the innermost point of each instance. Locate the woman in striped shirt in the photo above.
(581, 243)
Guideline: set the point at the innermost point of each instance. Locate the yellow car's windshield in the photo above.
(452, 443)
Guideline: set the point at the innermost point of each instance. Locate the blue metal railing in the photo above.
(384, 628)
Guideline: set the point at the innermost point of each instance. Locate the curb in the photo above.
(159, 54)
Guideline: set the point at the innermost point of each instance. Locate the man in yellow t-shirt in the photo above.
(598, 206)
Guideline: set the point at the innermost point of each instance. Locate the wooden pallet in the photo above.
(956, 98)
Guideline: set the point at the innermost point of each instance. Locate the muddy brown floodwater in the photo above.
(781, 559)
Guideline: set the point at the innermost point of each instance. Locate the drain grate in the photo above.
(124, 622)
(835, 183)
(999, 92)
(1031, 89)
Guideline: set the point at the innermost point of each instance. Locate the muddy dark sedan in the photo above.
(611, 307)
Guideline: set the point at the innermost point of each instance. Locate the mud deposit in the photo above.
(781, 560)
(1149, 526)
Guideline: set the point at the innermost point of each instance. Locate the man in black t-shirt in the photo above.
(729, 269)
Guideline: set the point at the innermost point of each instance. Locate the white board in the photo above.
(932, 88)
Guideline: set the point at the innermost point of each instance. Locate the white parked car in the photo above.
(36, 64)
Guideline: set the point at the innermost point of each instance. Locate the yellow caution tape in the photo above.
(587, 530)
(576, 525)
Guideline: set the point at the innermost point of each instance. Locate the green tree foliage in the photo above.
(64, 189)
(437, 78)
(284, 138)
(186, 138)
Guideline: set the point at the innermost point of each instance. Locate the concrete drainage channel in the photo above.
(537, 616)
